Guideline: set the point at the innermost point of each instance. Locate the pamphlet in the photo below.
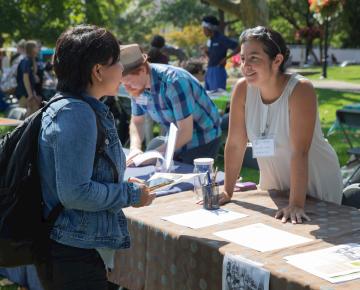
(155, 155)
(241, 273)
(335, 264)
(164, 179)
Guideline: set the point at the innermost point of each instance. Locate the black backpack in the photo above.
(24, 233)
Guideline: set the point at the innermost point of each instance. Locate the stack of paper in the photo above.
(335, 264)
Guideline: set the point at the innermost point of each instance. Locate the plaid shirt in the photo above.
(175, 95)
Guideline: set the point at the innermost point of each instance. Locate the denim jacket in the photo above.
(92, 215)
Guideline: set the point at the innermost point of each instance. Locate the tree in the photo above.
(325, 10)
(46, 19)
(301, 20)
(250, 12)
(351, 22)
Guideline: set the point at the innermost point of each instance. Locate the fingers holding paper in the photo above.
(146, 196)
(294, 213)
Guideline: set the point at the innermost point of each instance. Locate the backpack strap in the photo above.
(101, 136)
(100, 150)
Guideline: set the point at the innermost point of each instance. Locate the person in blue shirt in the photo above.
(27, 78)
(89, 185)
(216, 51)
(169, 95)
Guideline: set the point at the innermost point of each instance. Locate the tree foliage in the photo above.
(46, 19)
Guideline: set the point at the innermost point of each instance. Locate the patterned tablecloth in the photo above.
(172, 257)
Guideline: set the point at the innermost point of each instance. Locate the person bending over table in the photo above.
(88, 184)
(169, 95)
(278, 113)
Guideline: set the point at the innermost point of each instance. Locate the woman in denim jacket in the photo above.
(92, 224)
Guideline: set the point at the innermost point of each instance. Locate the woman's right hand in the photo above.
(146, 197)
(224, 198)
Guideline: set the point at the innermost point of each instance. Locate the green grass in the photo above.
(349, 73)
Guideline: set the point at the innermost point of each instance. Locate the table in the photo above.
(9, 122)
(168, 256)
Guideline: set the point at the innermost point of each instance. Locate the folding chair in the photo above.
(350, 118)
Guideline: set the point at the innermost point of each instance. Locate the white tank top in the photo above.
(325, 182)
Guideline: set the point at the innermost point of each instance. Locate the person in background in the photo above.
(169, 95)
(27, 78)
(160, 51)
(216, 51)
(278, 113)
(155, 55)
(87, 182)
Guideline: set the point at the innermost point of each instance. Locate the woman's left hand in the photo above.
(295, 213)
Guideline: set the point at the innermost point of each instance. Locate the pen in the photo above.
(214, 177)
(208, 177)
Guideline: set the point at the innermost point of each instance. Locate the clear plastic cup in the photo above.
(202, 165)
(211, 196)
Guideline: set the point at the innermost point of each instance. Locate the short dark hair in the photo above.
(211, 19)
(77, 51)
(272, 41)
(158, 41)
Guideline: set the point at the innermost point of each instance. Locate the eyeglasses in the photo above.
(261, 32)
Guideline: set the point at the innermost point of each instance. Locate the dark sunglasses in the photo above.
(261, 32)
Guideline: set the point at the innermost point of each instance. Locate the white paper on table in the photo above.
(176, 177)
(147, 156)
(202, 218)
(170, 147)
(335, 264)
(239, 271)
(261, 237)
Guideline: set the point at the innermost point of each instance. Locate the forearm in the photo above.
(136, 135)
(298, 179)
(96, 196)
(27, 85)
(184, 137)
(234, 155)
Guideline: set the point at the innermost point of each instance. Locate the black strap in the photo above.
(101, 136)
(100, 150)
(54, 214)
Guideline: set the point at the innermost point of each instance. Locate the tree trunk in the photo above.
(252, 13)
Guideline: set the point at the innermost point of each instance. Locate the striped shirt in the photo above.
(175, 95)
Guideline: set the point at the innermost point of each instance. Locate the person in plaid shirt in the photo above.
(169, 95)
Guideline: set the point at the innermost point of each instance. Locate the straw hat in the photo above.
(131, 57)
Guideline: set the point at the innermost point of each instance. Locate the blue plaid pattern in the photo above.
(175, 95)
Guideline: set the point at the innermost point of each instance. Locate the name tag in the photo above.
(141, 100)
(263, 147)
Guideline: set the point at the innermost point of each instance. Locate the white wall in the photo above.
(342, 54)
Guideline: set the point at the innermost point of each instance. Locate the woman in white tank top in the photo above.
(278, 113)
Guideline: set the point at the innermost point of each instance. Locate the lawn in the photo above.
(349, 73)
